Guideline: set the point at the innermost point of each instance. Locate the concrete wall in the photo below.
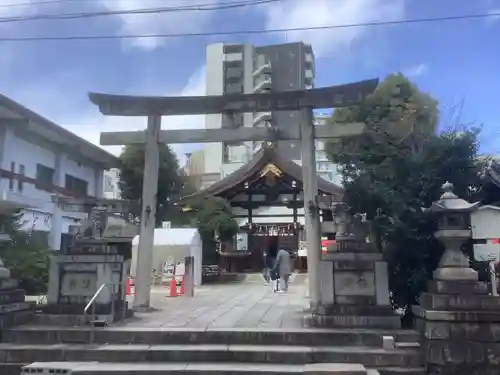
(21, 150)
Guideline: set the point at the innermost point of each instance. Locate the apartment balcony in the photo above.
(234, 74)
(232, 120)
(262, 69)
(231, 57)
(234, 89)
(263, 84)
(262, 117)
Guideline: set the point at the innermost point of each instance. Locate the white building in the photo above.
(326, 169)
(39, 159)
(244, 68)
(111, 190)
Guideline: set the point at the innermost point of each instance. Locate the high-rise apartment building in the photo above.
(244, 68)
(325, 168)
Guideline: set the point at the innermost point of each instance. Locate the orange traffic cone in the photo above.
(182, 286)
(173, 287)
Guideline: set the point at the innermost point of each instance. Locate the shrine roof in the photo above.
(264, 157)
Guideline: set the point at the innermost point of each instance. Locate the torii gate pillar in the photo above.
(312, 222)
(148, 215)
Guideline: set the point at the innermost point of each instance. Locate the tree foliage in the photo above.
(212, 216)
(170, 179)
(397, 168)
(26, 255)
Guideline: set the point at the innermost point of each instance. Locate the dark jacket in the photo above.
(269, 261)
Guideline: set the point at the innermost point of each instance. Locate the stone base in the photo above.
(365, 310)
(354, 316)
(77, 308)
(452, 274)
(460, 331)
(16, 314)
(459, 287)
(72, 314)
(355, 290)
(353, 321)
(74, 320)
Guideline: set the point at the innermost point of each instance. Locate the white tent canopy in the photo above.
(172, 245)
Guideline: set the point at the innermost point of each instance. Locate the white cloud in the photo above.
(316, 13)
(89, 127)
(417, 70)
(494, 15)
(190, 21)
(16, 8)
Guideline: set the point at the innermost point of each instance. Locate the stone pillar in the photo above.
(148, 216)
(458, 320)
(313, 225)
(359, 279)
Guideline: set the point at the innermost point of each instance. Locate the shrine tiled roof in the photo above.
(264, 157)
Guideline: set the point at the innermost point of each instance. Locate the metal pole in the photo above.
(313, 227)
(189, 276)
(493, 279)
(146, 234)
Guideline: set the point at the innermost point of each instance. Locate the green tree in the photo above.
(212, 216)
(26, 255)
(396, 169)
(170, 179)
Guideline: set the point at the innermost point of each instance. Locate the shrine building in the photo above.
(266, 196)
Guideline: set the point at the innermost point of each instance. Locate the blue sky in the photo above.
(458, 62)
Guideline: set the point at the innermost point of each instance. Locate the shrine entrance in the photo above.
(267, 200)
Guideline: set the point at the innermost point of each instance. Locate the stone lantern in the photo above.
(453, 231)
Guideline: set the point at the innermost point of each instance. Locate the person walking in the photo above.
(268, 266)
(283, 269)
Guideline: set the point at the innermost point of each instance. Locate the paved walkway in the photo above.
(240, 305)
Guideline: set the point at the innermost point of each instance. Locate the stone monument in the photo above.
(355, 286)
(458, 320)
(93, 260)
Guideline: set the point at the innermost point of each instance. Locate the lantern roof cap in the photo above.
(450, 202)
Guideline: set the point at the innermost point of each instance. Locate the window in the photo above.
(12, 176)
(44, 176)
(20, 179)
(76, 185)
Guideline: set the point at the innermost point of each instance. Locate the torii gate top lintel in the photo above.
(325, 97)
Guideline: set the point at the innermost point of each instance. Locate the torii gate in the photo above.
(156, 107)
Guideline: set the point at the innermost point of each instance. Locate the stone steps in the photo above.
(140, 335)
(78, 368)
(218, 347)
(368, 356)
